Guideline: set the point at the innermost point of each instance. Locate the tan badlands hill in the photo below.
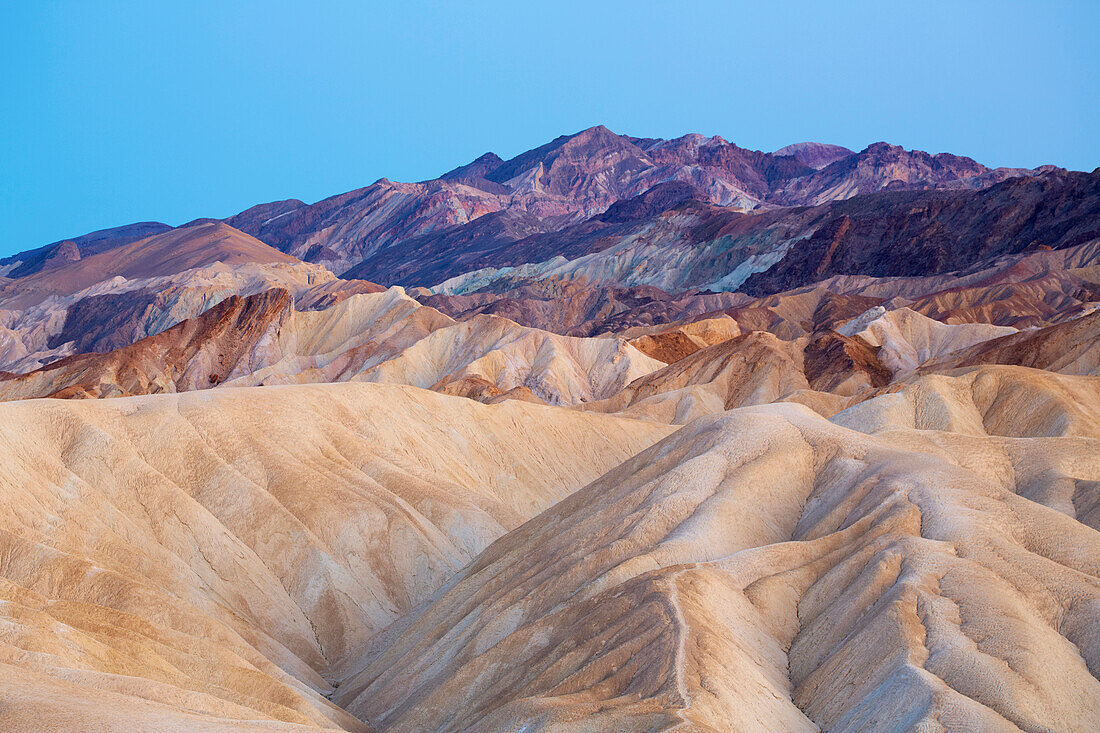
(906, 339)
(226, 559)
(765, 569)
(213, 560)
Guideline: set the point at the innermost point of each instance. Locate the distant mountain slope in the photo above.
(162, 254)
(933, 232)
(567, 180)
(576, 177)
(32, 261)
(565, 198)
(692, 244)
(887, 167)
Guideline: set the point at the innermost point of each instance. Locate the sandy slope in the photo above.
(926, 560)
(766, 569)
(169, 561)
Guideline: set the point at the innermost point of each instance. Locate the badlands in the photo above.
(734, 441)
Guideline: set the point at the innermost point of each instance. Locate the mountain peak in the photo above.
(598, 135)
(882, 147)
(815, 155)
(593, 131)
(478, 168)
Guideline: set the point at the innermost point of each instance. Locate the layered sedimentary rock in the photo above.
(1069, 347)
(905, 339)
(577, 307)
(672, 342)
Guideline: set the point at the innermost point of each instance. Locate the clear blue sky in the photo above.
(119, 112)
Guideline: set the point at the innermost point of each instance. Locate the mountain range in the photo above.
(618, 434)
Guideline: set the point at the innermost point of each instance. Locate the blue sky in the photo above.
(119, 112)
